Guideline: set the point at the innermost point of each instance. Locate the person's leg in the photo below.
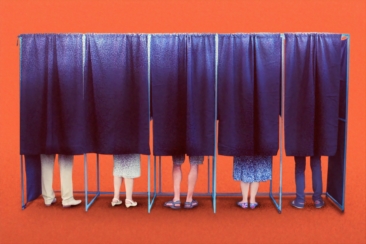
(66, 163)
(300, 163)
(244, 191)
(129, 188)
(47, 165)
(117, 181)
(192, 179)
(253, 191)
(194, 161)
(316, 170)
(177, 178)
(178, 160)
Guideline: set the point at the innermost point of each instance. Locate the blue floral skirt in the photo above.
(252, 168)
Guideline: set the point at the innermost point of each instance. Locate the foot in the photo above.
(319, 203)
(70, 203)
(296, 204)
(191, 204)
(130, 203)
(172, 204)
(253, 205)
(242, 204)
(49, 204)
(116, 201)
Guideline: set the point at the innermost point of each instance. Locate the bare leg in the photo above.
(129, 188)
(253, 191)
(177, 178)
(192, 179)
(244, 191)
(117, 186)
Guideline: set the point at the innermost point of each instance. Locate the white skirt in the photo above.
(127, 165)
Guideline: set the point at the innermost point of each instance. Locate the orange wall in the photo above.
(168, 16)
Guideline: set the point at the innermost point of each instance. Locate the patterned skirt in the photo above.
(250, 169)
(127, 165)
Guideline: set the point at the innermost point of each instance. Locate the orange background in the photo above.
(230, 224)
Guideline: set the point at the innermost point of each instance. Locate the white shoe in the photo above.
(115, 202)
(49, 204)
(130, 203)
(70, 203)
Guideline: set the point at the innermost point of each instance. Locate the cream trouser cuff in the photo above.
(65, 163)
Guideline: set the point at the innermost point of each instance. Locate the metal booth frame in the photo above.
(211, 191)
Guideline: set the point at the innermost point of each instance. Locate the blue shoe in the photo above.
(296, 204)
(319, 203)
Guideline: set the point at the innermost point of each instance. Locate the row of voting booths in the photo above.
(207, 94)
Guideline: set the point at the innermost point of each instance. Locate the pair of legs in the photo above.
(250, 170)
(245, 191)
(127, 167)
(300, 165)
(47, 165)
(178, 160)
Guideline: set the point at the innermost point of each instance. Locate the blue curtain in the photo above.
(102, 106)
(169, 93)
(249, 80)
(312, 94)
(51, 104)
(336, 163)
(34, 176)
(183, 90)
(116, 85)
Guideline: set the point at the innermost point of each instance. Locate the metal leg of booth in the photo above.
(151, 201)
(24, 204)
(87, 205)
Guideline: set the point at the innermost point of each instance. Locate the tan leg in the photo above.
(244, 191)
(47, 165)
(177, 178)
(117, 181)
(192, 179)
(129, 188)
(253, 191)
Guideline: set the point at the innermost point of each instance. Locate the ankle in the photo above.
(252, 200)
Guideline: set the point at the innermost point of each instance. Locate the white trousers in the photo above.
(65, 162)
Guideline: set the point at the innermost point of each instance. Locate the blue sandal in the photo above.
(296, 204)
(171, 204)
(253, 205)
(242, 204)
(192, 204)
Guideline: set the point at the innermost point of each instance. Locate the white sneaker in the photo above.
(49, 204)
(71, 202)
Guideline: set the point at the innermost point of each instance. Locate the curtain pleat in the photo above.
(312, 94)
(249, 78)
(200, 95)
(117, 93)
(183, 94)
(52, 118)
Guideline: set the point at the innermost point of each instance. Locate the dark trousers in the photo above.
(300, 163)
